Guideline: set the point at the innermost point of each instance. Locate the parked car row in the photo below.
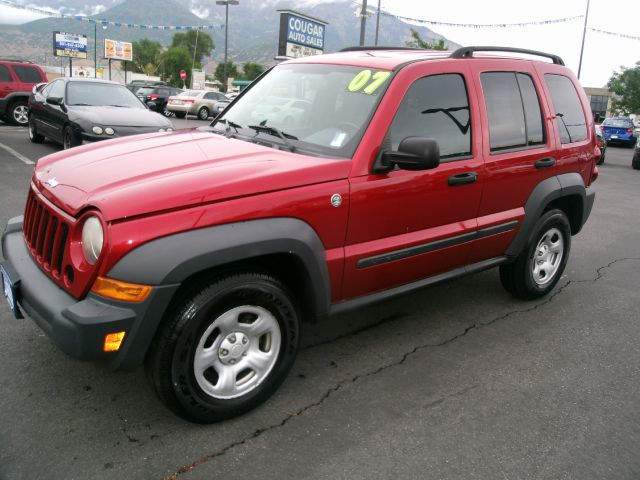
(202, 103)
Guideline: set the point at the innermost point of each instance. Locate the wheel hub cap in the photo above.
(548, 256)
(233, 348)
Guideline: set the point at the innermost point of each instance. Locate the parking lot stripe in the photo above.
(18, 155)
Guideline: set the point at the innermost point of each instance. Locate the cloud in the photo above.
(201, 12)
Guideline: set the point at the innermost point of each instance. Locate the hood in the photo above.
(141, 174)
(117, 116)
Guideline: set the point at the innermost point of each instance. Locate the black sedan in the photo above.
(73, 111)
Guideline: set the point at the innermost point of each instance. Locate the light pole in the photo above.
(584, 34)
(226, 4)
(363, 21)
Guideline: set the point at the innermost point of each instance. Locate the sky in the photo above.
(603, 54)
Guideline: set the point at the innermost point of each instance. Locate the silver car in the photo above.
(202, 103)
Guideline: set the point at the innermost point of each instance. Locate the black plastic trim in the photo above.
(363, 301)
(432, 246)
(173, 259)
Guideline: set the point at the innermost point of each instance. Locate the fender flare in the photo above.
(542, 195)
(173, 259)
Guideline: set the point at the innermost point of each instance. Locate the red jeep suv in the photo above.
(200, 252)
(17, 78)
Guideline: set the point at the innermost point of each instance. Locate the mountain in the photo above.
(253, 26)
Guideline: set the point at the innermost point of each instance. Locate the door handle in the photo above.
(545, 162)
(462, 178)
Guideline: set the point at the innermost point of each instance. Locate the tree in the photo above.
(417, 42)
(146, 52)
(625, 85)
(232, 71)
(252, 70)
(203, 46)
(174, 60)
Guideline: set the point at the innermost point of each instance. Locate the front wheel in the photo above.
(538, 268)
(225, 348)
(180, 114)
(70, 138)
(635, 162)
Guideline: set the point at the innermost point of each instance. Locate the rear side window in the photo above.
(569, 114)
(513, 108)
(5, 75)
(28, 74)
(435, 107)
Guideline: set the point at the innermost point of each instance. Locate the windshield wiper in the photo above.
(276, 133)
(229, 125)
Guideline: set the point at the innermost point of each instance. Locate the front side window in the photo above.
(317, 109)
(513, 109)
(435, 107)
(572, 125)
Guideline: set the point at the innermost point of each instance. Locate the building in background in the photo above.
(600, 100)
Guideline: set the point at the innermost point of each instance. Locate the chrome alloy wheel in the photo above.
(547, 257)
(237, 352)
(21, 114)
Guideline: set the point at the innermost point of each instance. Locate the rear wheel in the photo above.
(540, 265)
(19, 113)
(34, 136)
(180, 114)
(635, 162)
(225, 348)
(203, 113)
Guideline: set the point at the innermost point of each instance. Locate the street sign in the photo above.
(183, 74)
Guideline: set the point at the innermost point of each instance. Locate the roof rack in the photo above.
(467, 52)
(360, 49)
(14, 60)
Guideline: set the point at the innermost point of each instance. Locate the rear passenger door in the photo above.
(407, 225)
(518, 151)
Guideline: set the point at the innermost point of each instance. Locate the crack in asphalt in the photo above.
(342, 383)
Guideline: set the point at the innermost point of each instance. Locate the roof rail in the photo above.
(14, 60)
(360, 49)
(467, 52)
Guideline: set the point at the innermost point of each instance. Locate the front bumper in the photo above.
(78, 327)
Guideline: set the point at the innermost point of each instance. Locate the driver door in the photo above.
(407, 225)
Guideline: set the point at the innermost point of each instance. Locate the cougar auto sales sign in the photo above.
(300, 35)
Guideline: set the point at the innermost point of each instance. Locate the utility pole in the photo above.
(584, 34)
(363, 22)
(226, 4)
(377, 23)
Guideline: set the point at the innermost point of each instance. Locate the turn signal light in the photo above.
(112, 341)
(118, 290)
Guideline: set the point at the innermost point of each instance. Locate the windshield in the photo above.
(618, 122)
(317, 108)
(145, 91)
(190, 93)
(101, 94)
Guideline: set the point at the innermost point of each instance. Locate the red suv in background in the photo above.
(200, 252)
(17, 79)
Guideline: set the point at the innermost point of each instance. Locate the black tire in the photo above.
(180, 114)
(201, 324)
(519, 277)
(19, 113)
(601, 161)
(70, 138)
(34, 136)
(635, 162)
(203, 113)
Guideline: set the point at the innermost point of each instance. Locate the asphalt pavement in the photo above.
(458, 381)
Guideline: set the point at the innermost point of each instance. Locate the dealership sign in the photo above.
(69, 45)
(118, 50)
(300, 35)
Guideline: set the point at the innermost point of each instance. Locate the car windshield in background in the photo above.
(145, 91)
(101, 94)
(319, 109)
(618, 122)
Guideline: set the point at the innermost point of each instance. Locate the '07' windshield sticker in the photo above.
(367, 82)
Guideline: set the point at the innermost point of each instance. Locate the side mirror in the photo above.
(54, 101)
(414, 153)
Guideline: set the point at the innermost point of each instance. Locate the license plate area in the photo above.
(9, 282)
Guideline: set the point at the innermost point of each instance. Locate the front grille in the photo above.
(46, 233)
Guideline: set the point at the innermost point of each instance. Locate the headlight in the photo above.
(109, 131)
(169, 129)
(92, 239)
(161, 129)
(97, 130)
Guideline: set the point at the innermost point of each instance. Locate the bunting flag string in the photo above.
(620, 35)
(109, 23)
